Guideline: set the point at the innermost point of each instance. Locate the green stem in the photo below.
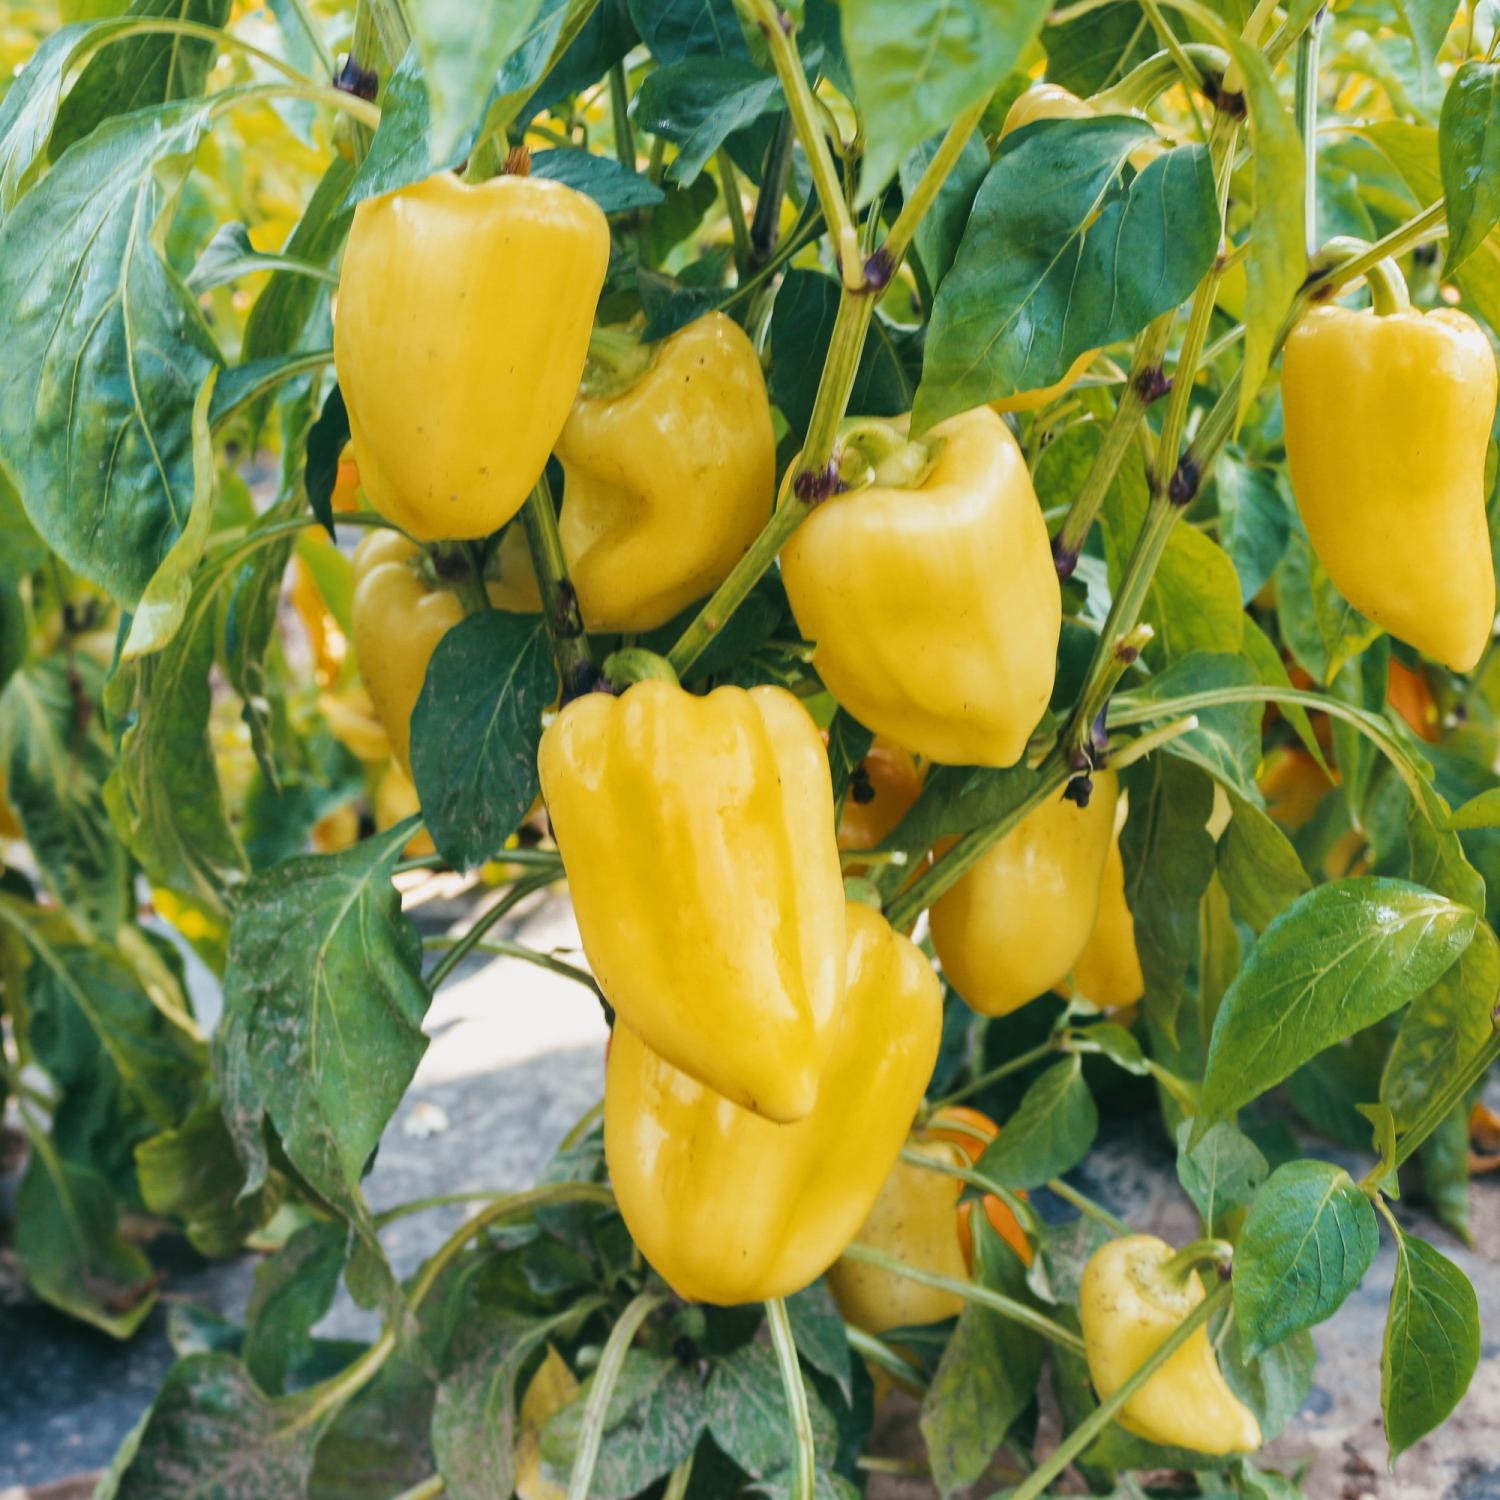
(502, 948)
(1082, 1436)
(734, 206)
(767, 18)
(127, 27)
(315, 93)
(929, 185)
(1007, 1307)
(1087, 1206)
(1190, 1257)
(634, 664)
(804, 1462)
(585, 1123)
(320, 1401)
(946, 872)
(1307, 124)
(602, 1387)
(1185, 64)
(1023, 1212)
(455, 567)
(1159, 72)
(765, 225)
(681, 1477)
(875, 1352)
(1145, 383)
(463, 945)
(1015, 1065)
(428, 1489)
(392, 27)
(570, 645)
(812, 482)
(619, 99)
(1447, 1099)
(1143, 745)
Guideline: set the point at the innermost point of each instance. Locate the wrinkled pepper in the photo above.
(1014, 926)
(698, 837)
(918, 1219)
(1387, 426)
(668, 479)
(464, 314)
(732, 1208)
(931, 593)
(1130, 1305)
(401, 611)
(1108, 971)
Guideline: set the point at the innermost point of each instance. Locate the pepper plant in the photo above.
(1081, 416)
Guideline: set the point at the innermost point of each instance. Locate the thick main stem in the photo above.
(804, 1455)
(570, 646)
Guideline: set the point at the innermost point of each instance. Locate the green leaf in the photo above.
(918, 66)
(164, 796)
(164, 602)
(987, 1375)
(1469, 157)
(1482, 811)
(1221, 1173)
(818, 1329)
(1254, 521)
(230, 255)
(801, 326)
(380, 1443)
(1444, 1159)
(1339, 959)
(956, 799)
(1051, 1131)
(1446, 1027)
(71, 1250)
(1097, 48)
(942, 226)
(1263, 655)
(1323, 629)
(210, 1432)
(1259, 866)
(1226, 742)
(1274, 1385)
(191, 1174)
(1431, 1343)
(106, 350)
(1426, 22)
(139, 71)
(699, 103)
(1043, 276)
(323, 1008)
(748, 1417)
(610, 183)
(293, 1290)
(475, 732)
(325, 444)
(460, 59)
(656, 1414)
(676, 29)
(1308, 1240)
(1169, 860)
(848, 744)
(55, 758)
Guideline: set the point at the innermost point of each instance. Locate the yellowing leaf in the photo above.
(551, 1388)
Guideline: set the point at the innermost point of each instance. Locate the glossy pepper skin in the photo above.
(918, 1219)
(936, 609)
(464, 315)
(1129, 1307)
(667, 483)
(400, 613)
(1013, 927)
(732, 1208)
(1387, 425)
(698, 838)
(1108, 971)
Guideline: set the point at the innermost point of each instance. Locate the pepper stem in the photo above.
(1386, 283)
(871, 452)
(1198, 1253)
(1161, 71)
(635, 664)
(617, 359)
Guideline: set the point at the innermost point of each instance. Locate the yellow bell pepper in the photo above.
(1014, 926)
(395, 800)
(698, 838)
(1130, 1305)
(918, 1219)
(1387, 424)
(935, 605)
(1108, 971)
(730, 1207)
(401, 611)
(464, 314)
(10, 824)
(668, 481)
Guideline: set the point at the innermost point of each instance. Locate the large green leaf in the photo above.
(699, 103)
(1308, 1240)
(1050, 1132)
(1339, 959)
(105, 351)
(918, 65)
(1042, 276)
(1469, 158)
